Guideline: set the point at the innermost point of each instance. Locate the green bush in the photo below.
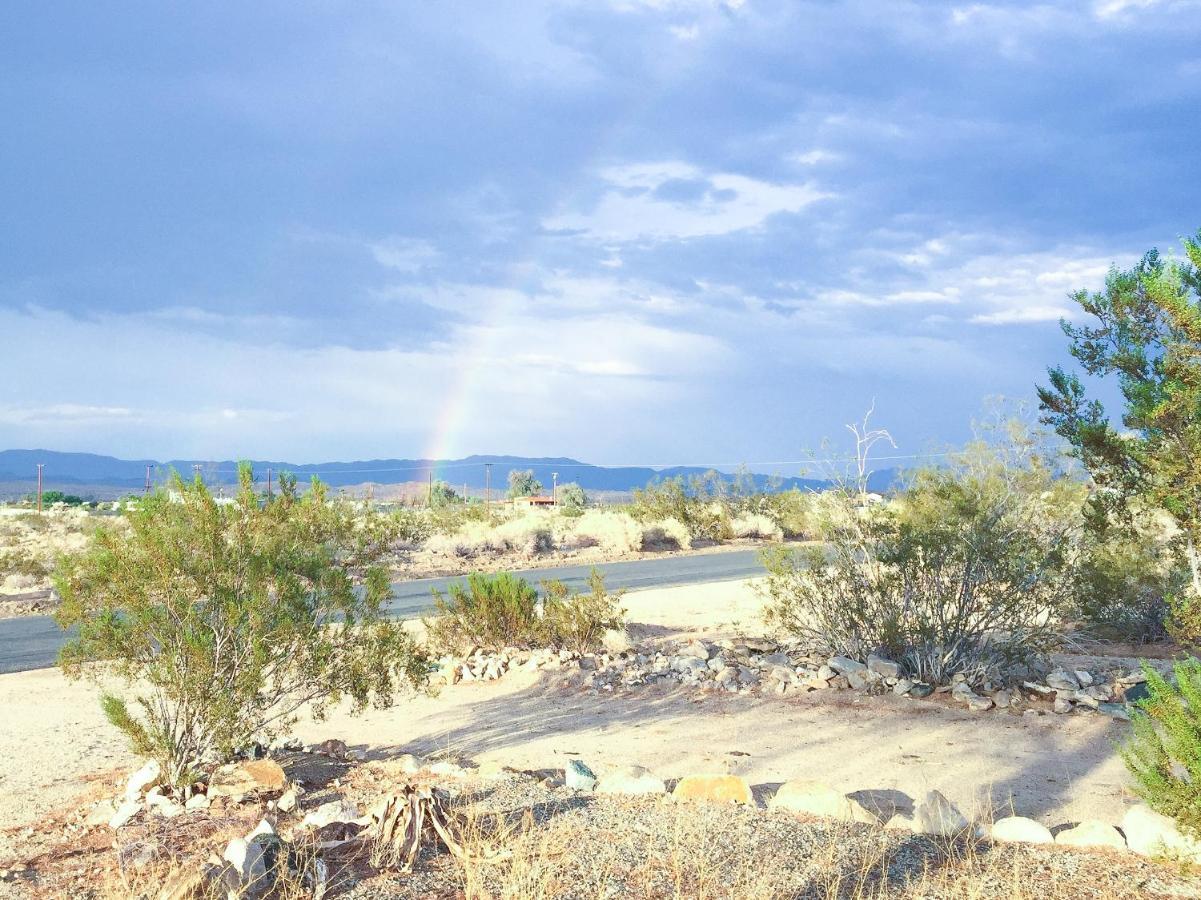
(498, 611)
(492, 611)
(699, 507)
(224, 620)
(572, 499)
(1125, 580)
(20, 562)
(957, 577)
(1164, 751)
(579, 621)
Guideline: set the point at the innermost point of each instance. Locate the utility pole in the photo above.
(487, 483)
(148, 468)
(268, 484)
(40, 467)
(554, 488)
(429, 497)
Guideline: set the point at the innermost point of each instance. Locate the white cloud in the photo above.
(1020, 315)
(815, 157)
(404, 254)
(676, 200)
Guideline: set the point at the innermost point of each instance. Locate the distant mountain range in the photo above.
(19, 467)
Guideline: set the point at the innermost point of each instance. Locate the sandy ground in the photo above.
(1053, 768)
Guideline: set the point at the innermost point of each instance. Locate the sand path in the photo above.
(1053, 768)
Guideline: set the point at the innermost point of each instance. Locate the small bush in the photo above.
(614, 531)
(572, 499)
(493, 611)
(1164, 751)
(665, 531)
(579, 621)
(756, 525)
(498, 611)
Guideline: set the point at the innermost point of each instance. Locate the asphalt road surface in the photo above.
(32, 642)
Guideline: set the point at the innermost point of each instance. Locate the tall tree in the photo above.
(1145, 334)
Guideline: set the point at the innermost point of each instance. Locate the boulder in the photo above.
(248, 860)
(1019, 829)
(1062, 705)
(857, 681)
(938, 815)
(252, 777)
(1150, 834)
(1091, 833)
(978, 703)
(882, 665)
(697, 650)
(715, 788)
(578, 777)
(819, 799)
(921, 690)
(1062, 680)
(845, 666)
(631, 780)
(902, 687)
(125, 812)
(328, 813)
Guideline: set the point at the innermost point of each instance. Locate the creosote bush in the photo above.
(498, 611)
(963, 573)
(223, 620)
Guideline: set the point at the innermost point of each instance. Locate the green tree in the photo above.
(522, 483)
(442, 494)
(223, 620)
(1147, 336)
(572, 498)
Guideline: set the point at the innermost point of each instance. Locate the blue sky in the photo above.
(640, 231)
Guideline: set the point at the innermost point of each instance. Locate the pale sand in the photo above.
(1054, 768)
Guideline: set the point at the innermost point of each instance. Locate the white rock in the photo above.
(163, 806)
(1085, 678)
(979, 704)
(844, 666)
(1062, 680)
(328, 813)
(902, 686)
(142, 780)
(938, 815)
(819, 799)
(1151, 834)
(631, 780)
(1019, 829)
(883, 666)
(697, 650)
(126, 811)
(1062, 705)
(1092, 833)
(617, 640)
(578, 777)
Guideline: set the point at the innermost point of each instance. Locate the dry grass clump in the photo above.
(30, 543)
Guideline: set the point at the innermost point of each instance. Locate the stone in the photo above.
(1002, 699)
(578, 777)
(1116, 710)
(938, 815)
(825, 673)
(405, 764)
(857, 681)
(962, 692)
(125, 812)
(252, 777)
(248, 860)
(1136, 692)
(1019, 829)
(1038, 688)
(163, 806)
(206, 883)
(1091, 833)
(288, 801)
(1062, 680)
(979, 704)
(333, 748)
(921, 690)
(631, 780)
(1085, 678)
(1087, 699)
(882, 665)
(1150, 834)
(1062, 705)
(714, 788)
(328, 813)
(902, 687)
(819, 799)
(845, 666)
(101, 813)
(142, 780)
(697, 650)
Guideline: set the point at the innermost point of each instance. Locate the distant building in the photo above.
(534, 500)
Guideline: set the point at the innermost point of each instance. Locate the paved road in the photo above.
(32, 642)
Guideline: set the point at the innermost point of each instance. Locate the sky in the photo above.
(629, 231)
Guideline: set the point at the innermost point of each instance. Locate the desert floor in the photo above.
(55, 745)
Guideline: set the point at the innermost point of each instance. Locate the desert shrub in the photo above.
(703, 516)
(794, 511)
(1125, 581)
(572, 499)
(222, 621)
(665, 531)
(451, 518)
(410, 527)
(1164, 750)
(22, 562)
(492, 611)
(614, 531)
(756, 525)
(529, 534)
(578, 621)
(956, 578)
(442, 494)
